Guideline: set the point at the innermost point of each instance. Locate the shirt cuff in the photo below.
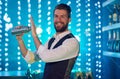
(29, 58)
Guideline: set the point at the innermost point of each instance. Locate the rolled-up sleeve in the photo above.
(30, 58)
(68, 49)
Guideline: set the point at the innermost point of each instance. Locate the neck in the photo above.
(61, 32)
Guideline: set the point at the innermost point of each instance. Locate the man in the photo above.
(60, 52)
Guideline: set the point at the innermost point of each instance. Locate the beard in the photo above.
(62, 29)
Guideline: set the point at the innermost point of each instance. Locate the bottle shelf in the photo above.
(108, 2)
(111, 27)
(111, 54)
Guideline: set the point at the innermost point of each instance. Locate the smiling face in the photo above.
(61, 20)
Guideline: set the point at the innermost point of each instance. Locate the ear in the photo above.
(69, 19)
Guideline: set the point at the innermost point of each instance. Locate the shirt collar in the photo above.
(59, 36)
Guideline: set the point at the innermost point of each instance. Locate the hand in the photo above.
(19, 37)
(34, 34)
(33, 28)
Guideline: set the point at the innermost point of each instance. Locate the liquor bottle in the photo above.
(22, 29)
(114, 40)
(114, 35)
(78, 75)
(118, 12)
(28, 74)
(115, 14)
(110, 41)
(117, 47)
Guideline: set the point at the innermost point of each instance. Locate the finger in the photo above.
(33, 26)
(17, 27)
(32, 22)
(18, 37)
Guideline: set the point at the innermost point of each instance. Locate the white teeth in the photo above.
(59, 23)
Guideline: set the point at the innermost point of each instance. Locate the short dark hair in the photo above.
(64, 7)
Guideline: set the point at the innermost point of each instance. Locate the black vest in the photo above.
(61, 69)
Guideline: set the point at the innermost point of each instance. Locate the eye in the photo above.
(55, 16)
(63, 16)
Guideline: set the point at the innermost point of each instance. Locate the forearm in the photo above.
(22, 47)
(36, 41)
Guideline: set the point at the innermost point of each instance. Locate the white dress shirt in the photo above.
(68, 49)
